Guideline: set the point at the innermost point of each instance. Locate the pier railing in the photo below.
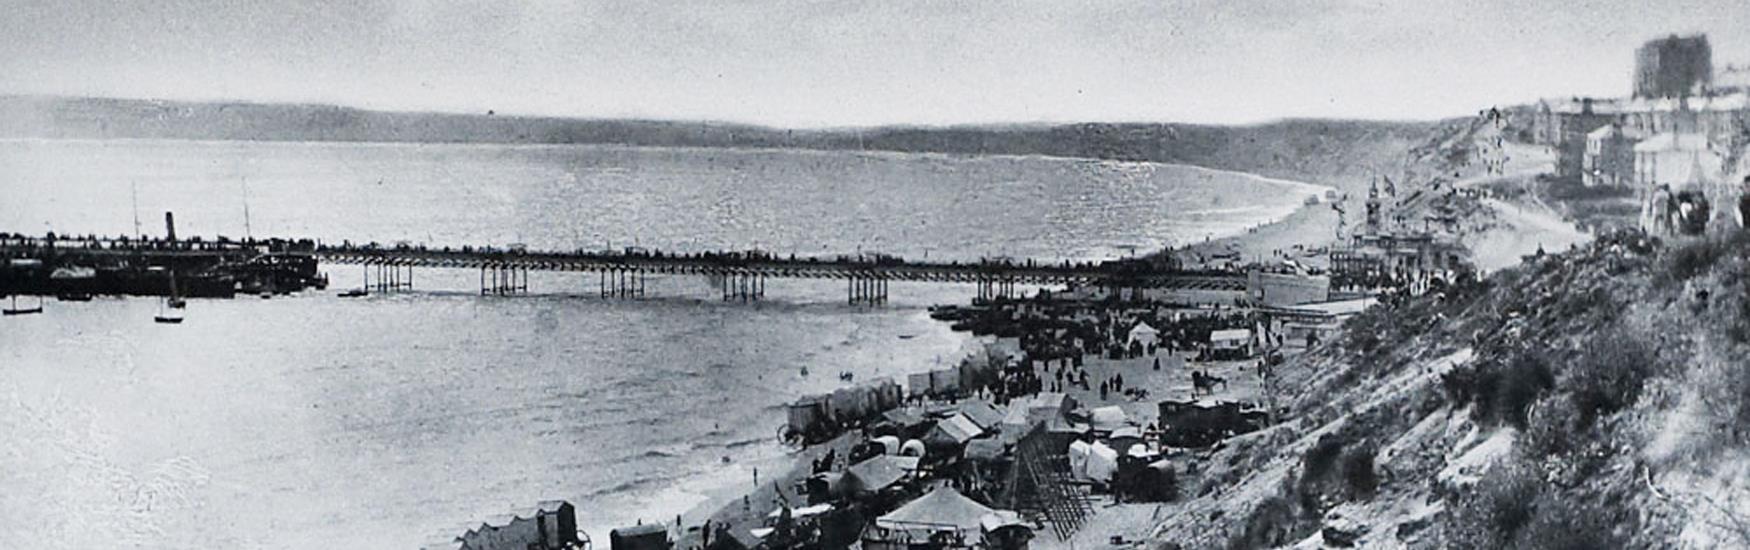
(742, 273)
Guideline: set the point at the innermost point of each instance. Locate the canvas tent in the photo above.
(944, 509)
(1047, 406)
(880, 472)
(952, 431)
(999, 519)
(889, 444)
(904, 417)
(981, 412)
(1143, 335)
(1093, 461)
(985, 449)
(1108, 418)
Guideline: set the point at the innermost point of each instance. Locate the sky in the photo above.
(805, 63)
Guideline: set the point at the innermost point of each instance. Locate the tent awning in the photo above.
(882, 471)
(957, 429)
(942, 508)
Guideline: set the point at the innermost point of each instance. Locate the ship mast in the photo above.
(248, 234)
(137, 234)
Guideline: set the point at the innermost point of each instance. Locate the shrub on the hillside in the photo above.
(1699, 256)
(1504, 391)
(1362, 340)
(1512, 507)
(1323, 455)
(1459, 384)
(1492, 514)
(1609, 374)
(1272, 523)
(1551, 428)
(1358, 474)
(1560, 522)
(1724, 389)
(1735, 278)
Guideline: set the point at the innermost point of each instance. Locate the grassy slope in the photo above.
(1591, 399)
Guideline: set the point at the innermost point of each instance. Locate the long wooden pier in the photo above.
(620, 274)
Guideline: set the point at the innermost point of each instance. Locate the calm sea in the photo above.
(384, 422)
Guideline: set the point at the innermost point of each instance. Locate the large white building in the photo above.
(1677, 161)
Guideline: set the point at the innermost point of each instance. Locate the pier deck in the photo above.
(504, 270)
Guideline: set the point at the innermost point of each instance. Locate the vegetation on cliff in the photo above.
(1593, 399)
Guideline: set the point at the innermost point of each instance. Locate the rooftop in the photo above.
(1674, 142)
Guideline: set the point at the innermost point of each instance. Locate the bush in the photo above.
(1551, 428)
(1358, 472)
(1492, 515)
(1700, 256)
(1323, 455)
(1504, 392)
(1610, 372)
(1564, 524)
(1272, 523)
(1460, 385)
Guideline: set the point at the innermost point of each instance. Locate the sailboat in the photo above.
(15, 310)
(166, 314)
(175, 300)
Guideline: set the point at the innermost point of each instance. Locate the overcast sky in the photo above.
(816, 63)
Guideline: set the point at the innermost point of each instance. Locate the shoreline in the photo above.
(718, 504)
(1311, 227)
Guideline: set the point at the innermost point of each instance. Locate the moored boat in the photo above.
(15, 310)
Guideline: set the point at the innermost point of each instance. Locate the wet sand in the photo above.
(1311, 227)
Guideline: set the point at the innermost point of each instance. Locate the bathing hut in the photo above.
(549, 525)
(1231, 343)
(650, 536)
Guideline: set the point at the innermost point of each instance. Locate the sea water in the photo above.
(386, 421)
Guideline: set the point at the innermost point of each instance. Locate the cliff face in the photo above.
(1593, 399)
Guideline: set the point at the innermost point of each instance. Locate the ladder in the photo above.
(1045, 486)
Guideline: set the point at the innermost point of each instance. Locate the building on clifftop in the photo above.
(1675, 66)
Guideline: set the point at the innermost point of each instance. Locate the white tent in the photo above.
(1047, 406)
(1093, 461)
(1143, 334)
(942, 509)
(1108, 418)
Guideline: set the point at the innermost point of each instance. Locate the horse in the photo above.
(1205, 384)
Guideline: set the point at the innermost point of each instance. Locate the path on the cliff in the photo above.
(1521, 227)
